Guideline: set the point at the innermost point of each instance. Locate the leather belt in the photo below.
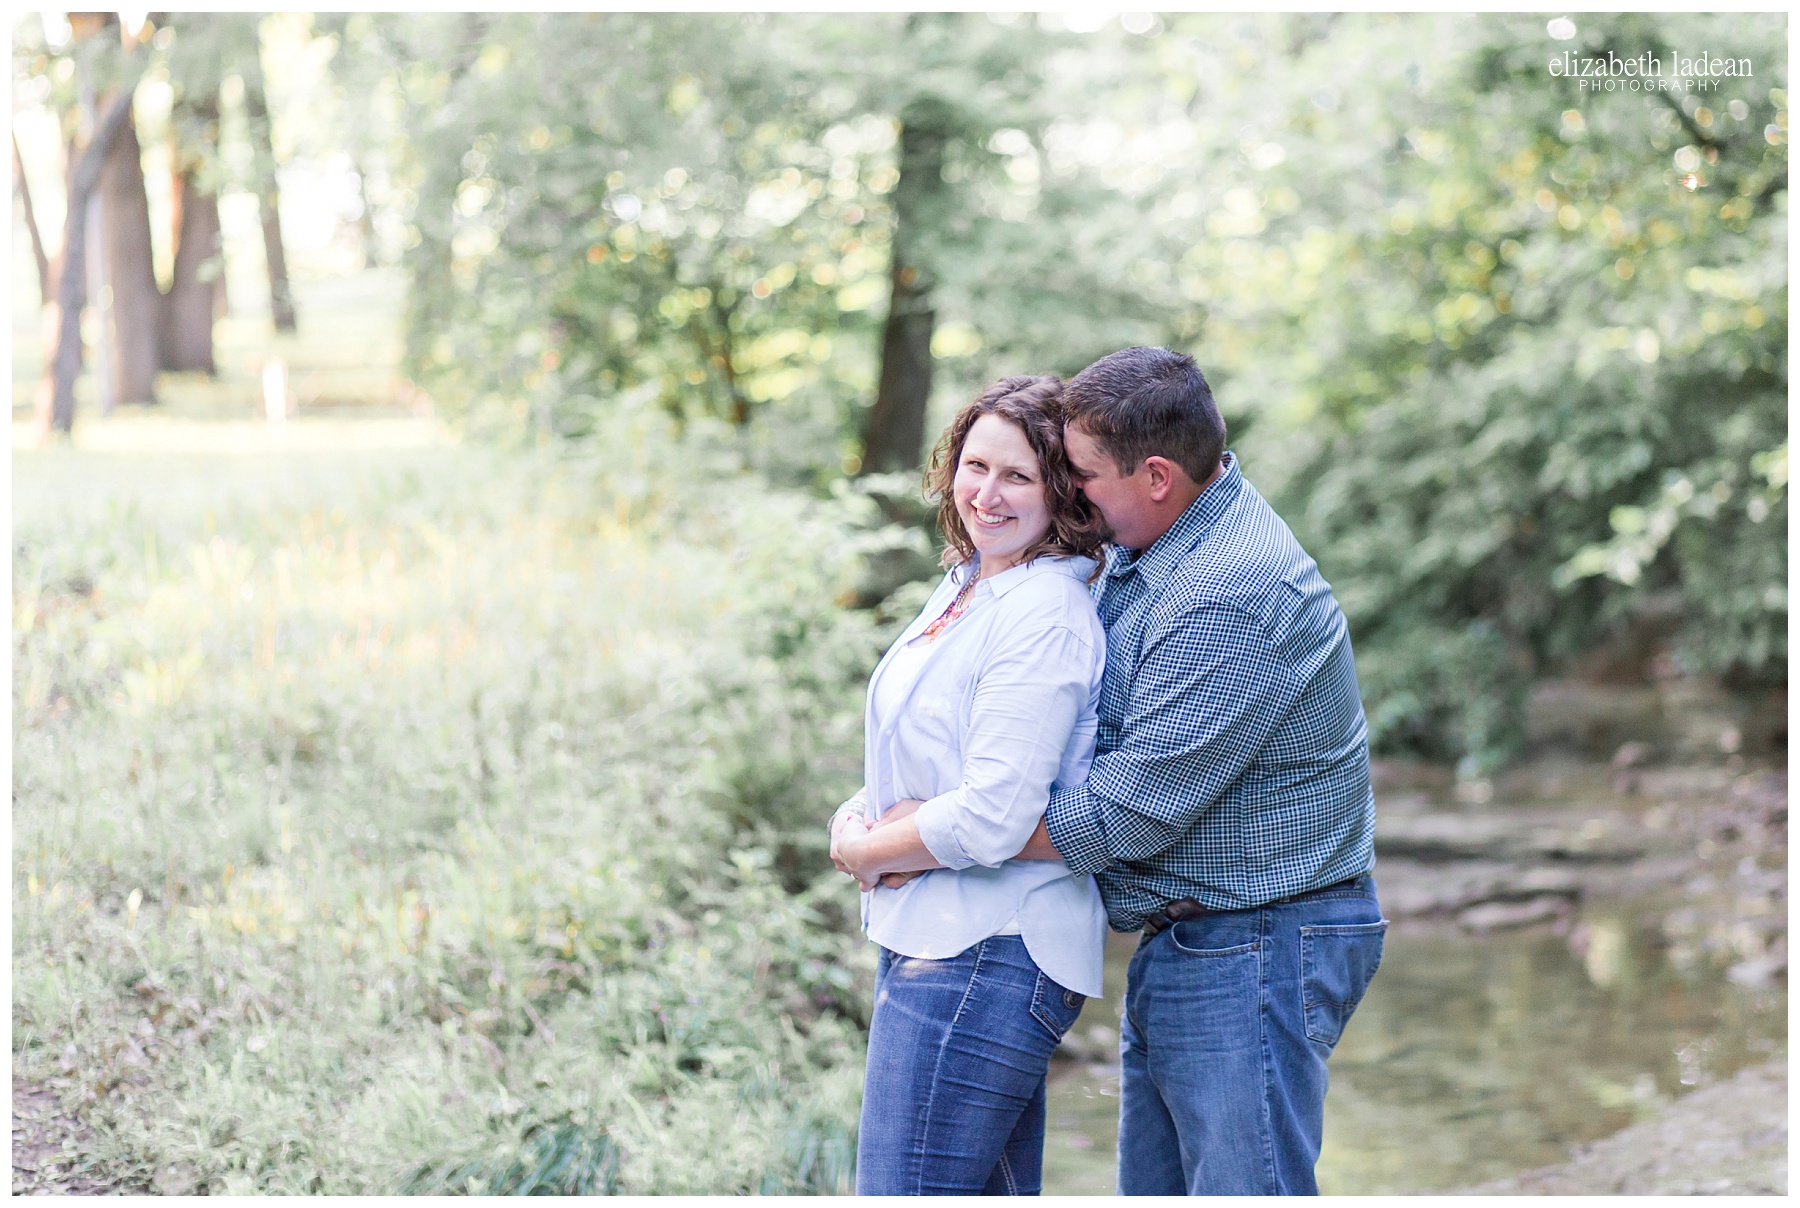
(1183, 909)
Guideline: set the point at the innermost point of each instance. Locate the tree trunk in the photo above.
(71, 289)
(197, 280)
(100, 300)
(895, 436)
(281, 293)
(718, 345)
(268, 196)
(37, 240)
(129, 268)
(365, 223)
(94, 251)
(432, 288)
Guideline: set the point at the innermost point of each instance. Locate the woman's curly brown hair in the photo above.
(1033, 404)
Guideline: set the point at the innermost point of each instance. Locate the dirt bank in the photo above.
(52, 1150)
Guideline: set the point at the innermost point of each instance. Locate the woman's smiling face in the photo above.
(999, 493)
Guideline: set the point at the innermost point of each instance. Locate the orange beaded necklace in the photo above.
(957, 607)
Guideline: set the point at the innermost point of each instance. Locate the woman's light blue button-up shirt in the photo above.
(1002, 710)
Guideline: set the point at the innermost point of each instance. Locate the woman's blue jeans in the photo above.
(1229, 1018)
(953, 1103)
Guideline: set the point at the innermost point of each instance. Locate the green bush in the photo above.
(444, 827)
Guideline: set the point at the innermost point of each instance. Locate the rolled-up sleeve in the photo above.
(1208, 692)
(1028, 698)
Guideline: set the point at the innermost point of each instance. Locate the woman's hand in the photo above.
(852, 826)
(851, 852)
(847, 825)
(891, 847)
(899, 810)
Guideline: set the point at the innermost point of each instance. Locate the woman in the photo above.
(985, 703)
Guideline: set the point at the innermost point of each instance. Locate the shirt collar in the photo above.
(1047, 564)
(1188, 530)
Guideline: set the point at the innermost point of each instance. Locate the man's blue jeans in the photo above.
(953, 1103)
(1229, 1018)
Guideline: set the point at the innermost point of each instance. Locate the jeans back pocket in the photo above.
(1054, 1006)
(1336, 966)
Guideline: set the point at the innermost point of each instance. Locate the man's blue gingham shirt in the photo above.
(1232, 764)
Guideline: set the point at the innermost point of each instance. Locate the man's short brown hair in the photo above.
(1148, 402)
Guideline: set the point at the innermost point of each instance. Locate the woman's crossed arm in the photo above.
(890, 851)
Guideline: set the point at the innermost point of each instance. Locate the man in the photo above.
(1228, 813)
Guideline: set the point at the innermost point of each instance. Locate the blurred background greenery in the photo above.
(422, 791)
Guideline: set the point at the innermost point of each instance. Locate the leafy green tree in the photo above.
(1519, 349)
(710, 217)
(605, 204)
(999, 266)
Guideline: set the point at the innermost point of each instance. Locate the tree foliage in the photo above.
(1530, 343)
(1508, 352)
(1459, 311)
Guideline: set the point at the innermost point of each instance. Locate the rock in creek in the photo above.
(1490, 916)
(1413, 889)
(1514, 836)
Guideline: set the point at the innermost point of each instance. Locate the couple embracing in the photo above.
(1130, 701)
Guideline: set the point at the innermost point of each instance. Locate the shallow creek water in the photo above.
(1474, 1057)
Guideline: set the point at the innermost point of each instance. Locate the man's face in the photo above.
(1123, 499)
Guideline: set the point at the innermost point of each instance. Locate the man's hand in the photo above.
(897, 811)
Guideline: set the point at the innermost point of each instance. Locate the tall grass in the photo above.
(442, 823)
